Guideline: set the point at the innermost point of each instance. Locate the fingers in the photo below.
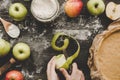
(75, 68)
(82, 76)
(51, 65)
(76, 73)
(65, 73)
(50, 62)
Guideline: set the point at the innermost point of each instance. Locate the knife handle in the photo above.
(7, 65)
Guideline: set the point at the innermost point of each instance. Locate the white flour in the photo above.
(13, 31)
(44, 9)
(4, 4)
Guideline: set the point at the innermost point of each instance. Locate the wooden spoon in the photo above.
(7, 65)
(11, 29)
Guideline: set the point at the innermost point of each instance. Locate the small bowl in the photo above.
(45, 10)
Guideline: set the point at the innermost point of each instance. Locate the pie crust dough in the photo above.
(104, 60)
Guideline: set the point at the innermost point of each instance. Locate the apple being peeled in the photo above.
(73, 7)
(4, 47)
(96, 7)
(113, 10)
(21, 51)
(60, 61)
(17, 11)
(14, 75)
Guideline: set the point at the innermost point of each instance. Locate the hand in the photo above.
(76, 73)
(51, 74)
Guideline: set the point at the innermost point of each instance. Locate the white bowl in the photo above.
(45, 10)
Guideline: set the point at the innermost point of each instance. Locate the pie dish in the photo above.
(104, 60)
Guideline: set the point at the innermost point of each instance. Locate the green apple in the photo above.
(4, 47)
(17, 11)
(21, 51)
(96, 7)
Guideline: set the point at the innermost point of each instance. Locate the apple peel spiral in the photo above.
(63, 61)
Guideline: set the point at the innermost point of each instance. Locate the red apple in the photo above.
(73, 7)
(14, 75)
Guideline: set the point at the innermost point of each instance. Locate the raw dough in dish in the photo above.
(109, 57)
(104, 61)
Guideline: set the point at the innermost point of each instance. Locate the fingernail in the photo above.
(61, 69)
(53, 57)
(74, 63)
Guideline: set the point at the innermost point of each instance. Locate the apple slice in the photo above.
(113, 10)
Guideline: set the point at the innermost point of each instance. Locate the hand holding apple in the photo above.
(73, 7)
(4, 47)
(17, 11)
(113, 10)
(21, 51)
(96, 7)
(14, 75)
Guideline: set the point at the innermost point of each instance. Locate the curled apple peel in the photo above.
(63, 47)
(63, 61)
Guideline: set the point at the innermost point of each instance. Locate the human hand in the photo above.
(51, 74)
(76, 73)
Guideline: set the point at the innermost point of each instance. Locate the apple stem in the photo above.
(7, 65)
